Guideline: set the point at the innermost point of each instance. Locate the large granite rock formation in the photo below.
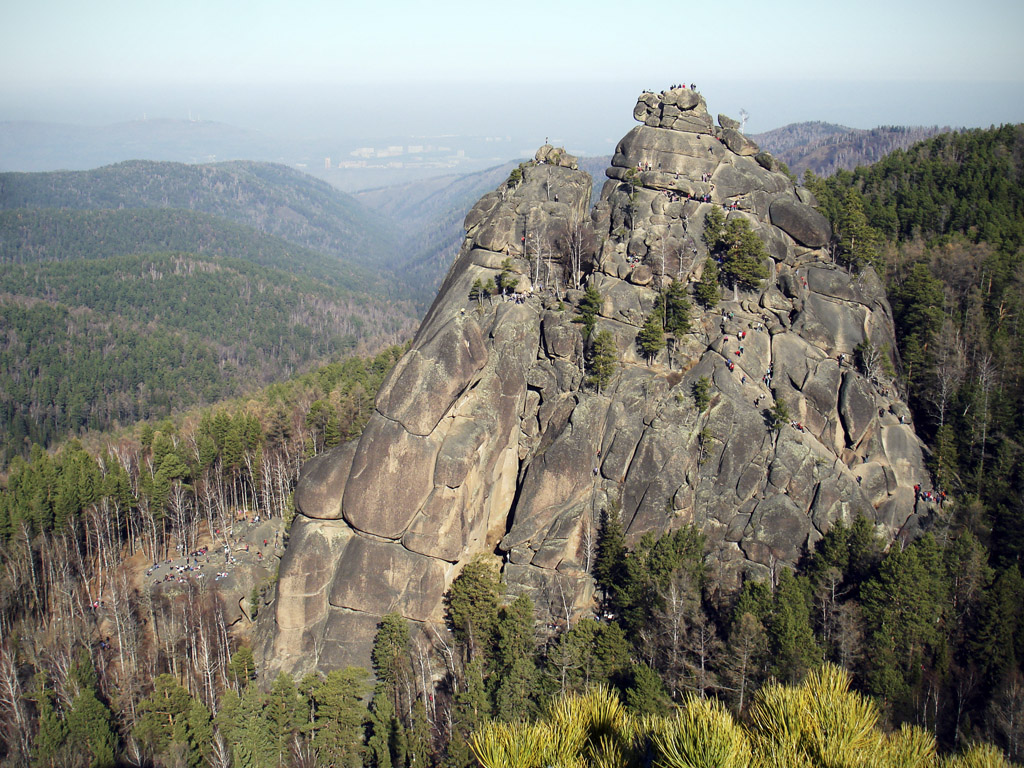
(485, 439)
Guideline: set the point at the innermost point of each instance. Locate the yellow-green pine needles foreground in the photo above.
(820, 723)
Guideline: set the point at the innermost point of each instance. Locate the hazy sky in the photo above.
(53, 50)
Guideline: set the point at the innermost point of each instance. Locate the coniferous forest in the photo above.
(864, 654)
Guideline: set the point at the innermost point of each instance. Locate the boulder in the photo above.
(801, 222)
(322, 482)
(738, 143)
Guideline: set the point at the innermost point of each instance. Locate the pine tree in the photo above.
(419, 750)
(794, 650)
(515, 665)
(284, 713)
(50, 745)
(608, 570)
(589, 306)
(646, 695)
(379, 738)
(706, 291)
(390, 654)
(743, 666)
(90, 727)
(603, 360)
(779, 415)
(390, 657)
(903, 612)
(241, 668)
(858, 241)
(702, 393)
(340, 716)
(676, 309)
(651, 339)
(253, 745)
(472, 602)
(168, 703)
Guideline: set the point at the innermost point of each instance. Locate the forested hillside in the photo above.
(85, 636)
(944, 222)
(428, 216)
(824, 148)
(132, 290)
(270, 198)
(427, 220)
(51, 234)
(95, 343)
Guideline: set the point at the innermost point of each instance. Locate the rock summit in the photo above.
(486, 438)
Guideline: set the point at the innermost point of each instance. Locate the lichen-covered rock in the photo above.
(486, 439)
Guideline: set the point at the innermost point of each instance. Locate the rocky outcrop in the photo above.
(485, 438)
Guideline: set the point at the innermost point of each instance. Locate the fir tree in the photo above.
(90, 726)
(589, 307)
(50, 745)
(602, 361)
(472, 603)
(794, 650)
(706, 291)
(241, 668)
(515, 668)
(676, 309)
(651, 339)
(702, 393)
(646, 694)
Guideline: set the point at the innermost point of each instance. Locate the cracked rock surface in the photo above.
(485, 439)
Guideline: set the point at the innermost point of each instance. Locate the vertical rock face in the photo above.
(484, 439)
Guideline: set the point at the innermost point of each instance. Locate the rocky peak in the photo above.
(486, 440)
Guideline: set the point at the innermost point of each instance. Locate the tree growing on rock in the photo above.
(779, 415)
(743, 253)
(577, 242)
(476, 291)
(603, 359)
(651, 339)
(706, 291)
(589, 306)
(508, 279)
(675, 306)
(702, 393)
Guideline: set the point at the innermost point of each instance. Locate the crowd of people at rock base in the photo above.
(936, 496)
(193, 565)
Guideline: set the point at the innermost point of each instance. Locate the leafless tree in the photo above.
(577, 243)
(1006, 715)
(748, 644)
(950, 365)
(12, 704)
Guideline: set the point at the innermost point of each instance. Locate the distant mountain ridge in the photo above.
(271, 198)
(825, 148)
(132, 290)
